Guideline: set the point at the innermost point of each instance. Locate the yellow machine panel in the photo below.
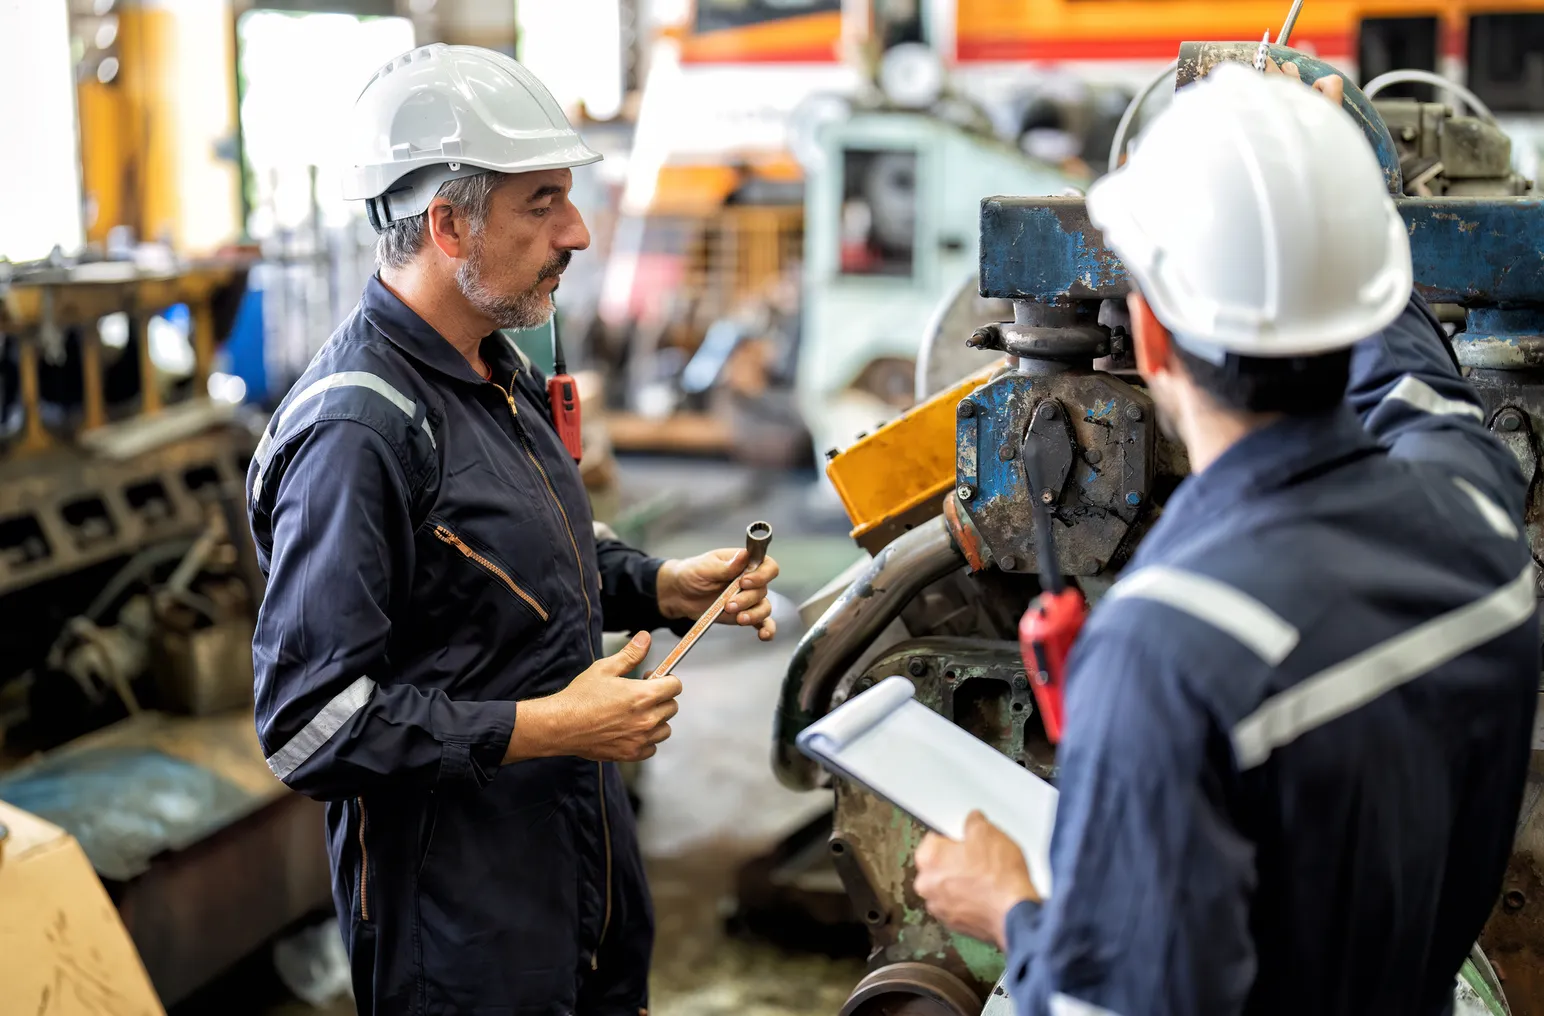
(895, 477)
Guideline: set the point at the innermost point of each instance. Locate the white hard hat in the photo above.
(440, 112)
(1255, 219)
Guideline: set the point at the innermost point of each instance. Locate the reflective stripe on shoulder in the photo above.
(1065, 1005)
(327, 722)
(1220, 605)
(342, 379)
(1331, 694)
(1493, 513)
(1417, 393)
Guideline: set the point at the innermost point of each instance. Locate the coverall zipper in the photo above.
(444, 535)
(600, 767)
(364, 865)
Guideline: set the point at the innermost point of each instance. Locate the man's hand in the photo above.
(971, 884)
(1331, 86)
(687, 588)
(601, 715)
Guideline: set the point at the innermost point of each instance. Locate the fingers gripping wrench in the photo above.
(1051, 624)
(758, 537)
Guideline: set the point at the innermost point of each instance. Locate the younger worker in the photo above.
(1298, 727)
(428, 652)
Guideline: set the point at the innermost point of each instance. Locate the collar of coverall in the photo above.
(1275, 456)
(413, 335)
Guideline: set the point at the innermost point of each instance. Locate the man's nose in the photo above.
(576, 236)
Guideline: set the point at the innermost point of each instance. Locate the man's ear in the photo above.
(447, 231)
(1154, 346)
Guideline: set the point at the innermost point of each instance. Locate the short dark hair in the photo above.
(1297, 386)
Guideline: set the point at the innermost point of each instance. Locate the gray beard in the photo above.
(529, 309)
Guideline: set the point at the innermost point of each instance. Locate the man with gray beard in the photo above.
(428, 650)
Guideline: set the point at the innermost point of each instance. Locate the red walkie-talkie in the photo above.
(1051, 624)
(563, 394)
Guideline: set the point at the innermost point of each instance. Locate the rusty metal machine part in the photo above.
(980, 684)
(832, 644)
(911, 989)
(1513, 939)
(1443, 154)
(1095, 434)
(758, 536)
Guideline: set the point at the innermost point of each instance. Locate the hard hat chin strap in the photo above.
(411, 195)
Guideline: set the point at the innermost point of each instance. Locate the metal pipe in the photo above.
(1118, 143)
(1286, 26)
(876, 597)
(1415, 76)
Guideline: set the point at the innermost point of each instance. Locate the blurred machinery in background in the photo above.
(128, 592)
(953, 556)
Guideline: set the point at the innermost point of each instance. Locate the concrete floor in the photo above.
(710, 799)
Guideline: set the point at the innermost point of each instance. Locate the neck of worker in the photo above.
(1208, 430)
(431, 292)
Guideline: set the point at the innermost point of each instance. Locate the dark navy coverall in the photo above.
(431, 560)
(1299, 725)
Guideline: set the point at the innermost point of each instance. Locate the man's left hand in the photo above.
(687, 588)
(971, 884)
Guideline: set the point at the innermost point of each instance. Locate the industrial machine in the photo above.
(954, 554)
(128, 591)
(889, 229)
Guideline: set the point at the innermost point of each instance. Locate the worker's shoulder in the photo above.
(1218, 611)
(358, 374)
(357, 379)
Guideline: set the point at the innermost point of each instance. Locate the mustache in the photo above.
(556, 266)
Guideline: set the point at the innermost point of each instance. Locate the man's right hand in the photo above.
(601, 715)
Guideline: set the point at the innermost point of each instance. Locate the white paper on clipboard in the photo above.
(898, 748)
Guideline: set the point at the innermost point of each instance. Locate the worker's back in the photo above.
(1298, 727)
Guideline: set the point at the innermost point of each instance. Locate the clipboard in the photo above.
(898, 749)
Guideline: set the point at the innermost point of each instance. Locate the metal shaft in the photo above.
(758, 536)
(1286, 26)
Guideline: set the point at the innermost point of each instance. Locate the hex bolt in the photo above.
(967, 408)
(1133, 498)
(1021, 682)
(1093, 456)
(1047, 496)
(1006, 453)
(1047, 410)
(1133, 412)
(1009, 562)
(916, 667)
(965, 492)
(1513, 900)
(1510, 421)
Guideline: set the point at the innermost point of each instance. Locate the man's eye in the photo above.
(540, 212)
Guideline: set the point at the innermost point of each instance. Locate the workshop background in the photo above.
(792, 287)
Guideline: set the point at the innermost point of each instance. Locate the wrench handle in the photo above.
(758, 536)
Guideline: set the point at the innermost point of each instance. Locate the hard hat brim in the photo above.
(361, 183)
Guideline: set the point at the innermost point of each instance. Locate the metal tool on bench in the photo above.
(758, 536)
